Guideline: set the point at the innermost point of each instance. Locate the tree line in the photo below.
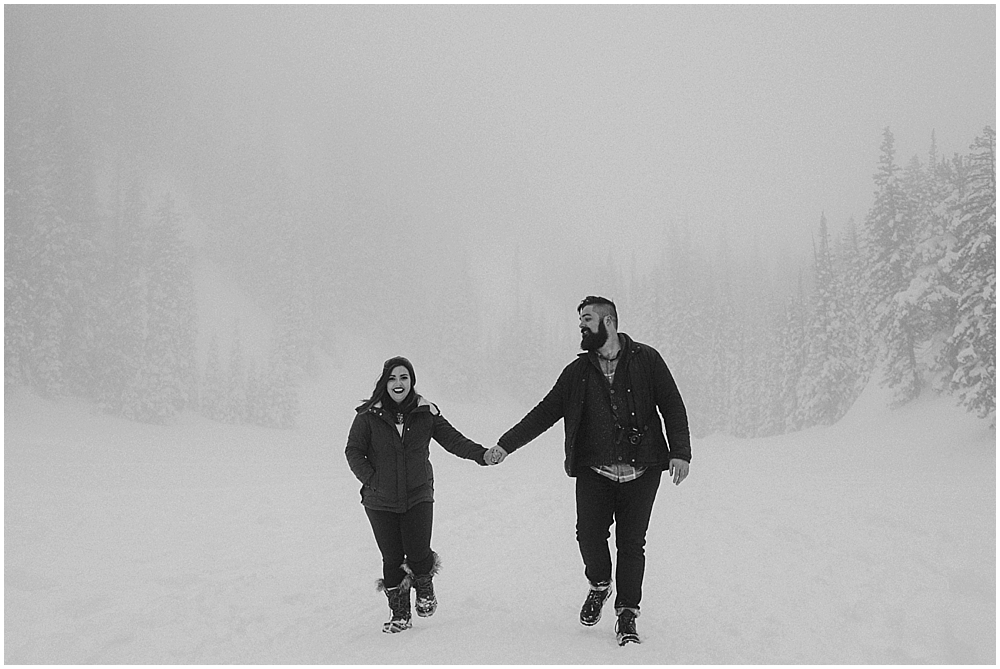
(100, 301)
(907, 299)
(99, 296)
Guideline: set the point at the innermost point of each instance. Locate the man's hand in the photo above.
(495, 456)
(679, 470)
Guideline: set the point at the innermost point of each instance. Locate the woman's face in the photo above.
(398, 386)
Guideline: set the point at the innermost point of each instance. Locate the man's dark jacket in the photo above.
(395, 471)
(648, 381)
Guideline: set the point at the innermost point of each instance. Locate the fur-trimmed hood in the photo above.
(422, 403)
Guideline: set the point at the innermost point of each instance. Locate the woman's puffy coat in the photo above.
(395, 471)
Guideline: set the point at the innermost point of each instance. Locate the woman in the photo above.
(388, 451)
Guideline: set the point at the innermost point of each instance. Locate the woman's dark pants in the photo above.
(403, 537)
(601, 501)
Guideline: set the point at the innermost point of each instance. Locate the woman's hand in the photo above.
(494, 456)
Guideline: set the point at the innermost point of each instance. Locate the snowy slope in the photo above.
(873, 541)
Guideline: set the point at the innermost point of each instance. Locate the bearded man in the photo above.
(611, 399)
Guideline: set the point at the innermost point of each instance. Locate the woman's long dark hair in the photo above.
(379, 393)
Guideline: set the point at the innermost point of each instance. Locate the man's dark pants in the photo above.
(601, 501)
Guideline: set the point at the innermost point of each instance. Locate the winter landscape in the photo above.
(868, 542)
(219, 221)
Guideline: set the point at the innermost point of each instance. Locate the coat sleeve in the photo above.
(358, 446)
(455, 442)
(671, 406)
(542, 417)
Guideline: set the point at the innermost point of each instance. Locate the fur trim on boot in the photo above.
(399, 605)
(424, 584)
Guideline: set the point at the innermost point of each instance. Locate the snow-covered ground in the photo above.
(872, 541)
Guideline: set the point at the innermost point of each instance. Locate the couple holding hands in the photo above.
(611, 399)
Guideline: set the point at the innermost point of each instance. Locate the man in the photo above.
(608, 399)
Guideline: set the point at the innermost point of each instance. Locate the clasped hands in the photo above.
(494, 456)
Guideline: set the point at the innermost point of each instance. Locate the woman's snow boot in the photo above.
(424, 585)
(399, 606)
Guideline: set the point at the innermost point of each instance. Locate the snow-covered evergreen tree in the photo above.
(22, 192)
(680, 326)
(971, 348)
(49, 231)
(928, 299)
(279, 384)
(890, 242)
(771, 392)
(826, 386)
(279, 394)
(855, 330)
(122, 296)
(73, 180)
(794, 341)
(254, 399)
(169, 352)
(212, 395)
(235, 403)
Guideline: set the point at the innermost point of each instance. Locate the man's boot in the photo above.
(590, 614)
(625, 628)
(399, 606)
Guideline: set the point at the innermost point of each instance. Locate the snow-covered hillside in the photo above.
(873, 541)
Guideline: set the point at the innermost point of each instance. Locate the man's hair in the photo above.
(603, 306)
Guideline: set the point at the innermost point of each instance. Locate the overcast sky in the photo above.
(571, 131)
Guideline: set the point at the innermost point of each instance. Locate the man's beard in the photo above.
(592, 341)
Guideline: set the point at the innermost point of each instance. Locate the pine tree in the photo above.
(74, 200)
(254, 400)
(794, 342)
(855, 328)
(48, 229)
(928, 299)
(971, 348)
(213, 384)
(122, 299)
(235, 403)
(296, 329)
(21, 288)
(279, 390)
(890, 243)
(280, 405)
(171, 328)
(680, 306)
(826, 386)
(773, 420)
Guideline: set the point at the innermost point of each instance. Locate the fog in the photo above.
(521, 154)
(571, 129)
(219, 221)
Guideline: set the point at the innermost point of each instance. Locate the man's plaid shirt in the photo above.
(620, 473)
